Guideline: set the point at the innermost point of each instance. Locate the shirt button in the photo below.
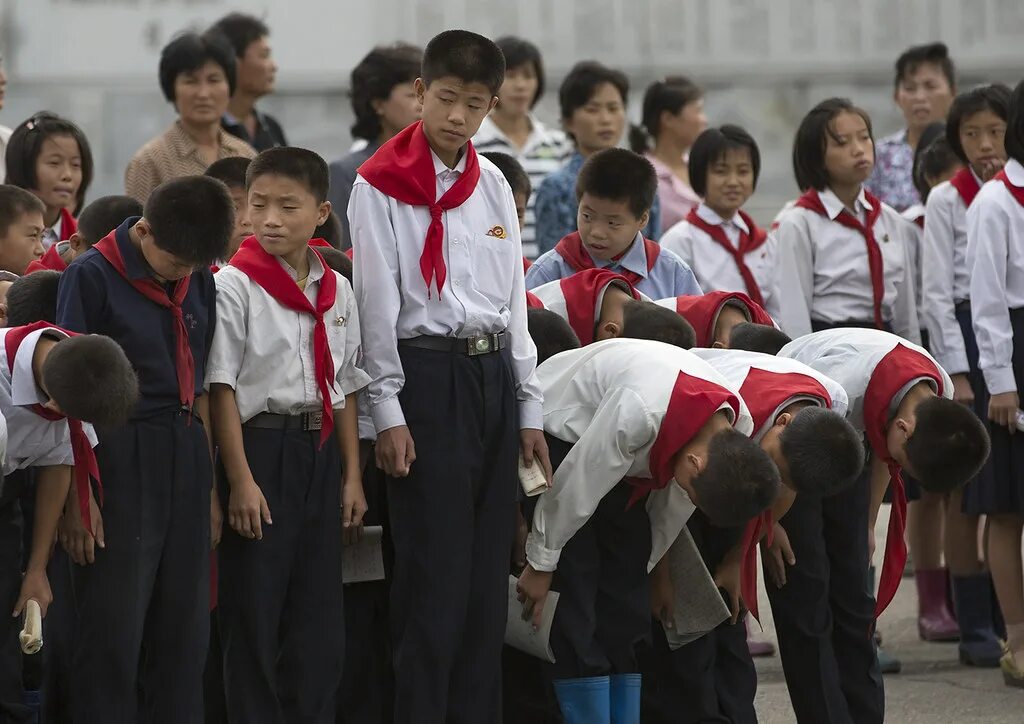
(457, 283)
(455, 241)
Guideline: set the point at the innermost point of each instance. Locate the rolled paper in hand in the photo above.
(532, 478)
(32, 634)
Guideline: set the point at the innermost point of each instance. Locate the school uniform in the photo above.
(578, 299)
(702, 312)
(149, 588)
(289, 352)
(839, 267)
(730, 255)
(656, 272)
(825, 613)
(446, 345)
(995, 253)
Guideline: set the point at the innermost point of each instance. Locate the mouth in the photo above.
(862, 165)
(64, 191)
(606, 135)
(454, 135)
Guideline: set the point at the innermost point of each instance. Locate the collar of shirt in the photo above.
(1014, 172)
(229, 120)
(183, 144)
(51, 234)
(708, 214)
(834, 206)
(316, 269)
(446, 177)
(135, 265)
(24, 390)
(634, 260)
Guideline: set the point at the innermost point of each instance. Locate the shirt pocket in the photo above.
(493, 265)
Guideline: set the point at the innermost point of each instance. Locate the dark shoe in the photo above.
(935, 621)
(888, 663)
(979, 645)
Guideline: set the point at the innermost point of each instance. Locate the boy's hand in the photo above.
(777, 556)
(962, 391)
(1002, 410)
(727, 577)
(353, 508)
(533, 587)
(663, 596)
(216, 520)
(991, 168)
(534, 446)
(395, 451)
(35, 585)
(74, 537)
(248, 510)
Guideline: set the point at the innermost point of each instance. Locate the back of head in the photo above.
(330, 231)
(301, 165)
(738, 482)
(26, 144)
(812, 138)
(822, 450)
(758, 338)
(230, 171)
(512, 170)
(373, 79)
(91, 379)
(1015, 125)
(647, 320)
(616, 174)
(712, 145)
(948, 447)
(240, 30)
(192, 217)
(583, 80)
(470, 57)
(551, 334)
(519, 52)
(933, 158)
(994, 97)
(33, 298)
(337, 260)
(670, 95)
(931, 54)
(15, 202)
(104, 215)
(188, 52)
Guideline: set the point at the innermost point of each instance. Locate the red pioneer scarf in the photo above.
(49, 261)
(702, 310)
(582, 292)
(966, 185)
(1016, 191)
(572, 250)
(749, 241)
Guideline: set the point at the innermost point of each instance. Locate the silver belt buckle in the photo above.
(483, 344)
(314, 421)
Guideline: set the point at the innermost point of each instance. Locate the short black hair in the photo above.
(26, 143)
(617, 174)
(330, 231)
(824, 453)
(91, 379)
(470, 57)
(738, 482)
(240, 30)
(192, 217)
(994, 97)
(711, 147)
(512, 170)
(104, 215)
(932, 158)
(758, 338)
(33, 298)
(188, 52)
(948, 447)
(551, 334)
(15, 202)
(1014, 139)
(337, 260)
(230, 171)
(669, 95)
(298, 164)
(582, 82)
(373, 79)
(812, 138)
(647, 320)
(930, 53)
(519, 52)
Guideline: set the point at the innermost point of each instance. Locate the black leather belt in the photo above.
(470, 346)
(269, 421)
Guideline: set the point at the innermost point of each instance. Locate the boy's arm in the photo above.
(81, 296)
(905, 321)
(52, 483)
(879, 484)
(353, 498)
(247, 507)
(796, 275)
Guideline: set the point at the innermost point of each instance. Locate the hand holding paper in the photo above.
(31, 636)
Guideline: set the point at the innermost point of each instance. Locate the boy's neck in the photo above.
(914, 397)
(847, 193)
(241, 105)
(204, 135)
(449, 159)
(136, 242)
(51, 215)
(43, 348)
(299, 261)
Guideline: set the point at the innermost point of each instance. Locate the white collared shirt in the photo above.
(52, 234)
(32, 440)
(264, 350)
(483, 293)
(552, 295)
(995, 253)
(714, 267)
(609, 399)
(824, 274)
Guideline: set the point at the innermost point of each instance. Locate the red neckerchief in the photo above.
(919, 220)
(81, 448)
(765, 393)
(582, 292)
(320, 242)
(966, 185)
(702, 310)
(1016, 191)
(155, 292)
(748, 243)
(692, 403)
(533, 301)
(896, 369)
(49, 261)
(265, 269)
(403, 168)
(571, 249)
(526, 265)
(68, 225)
(812, 202)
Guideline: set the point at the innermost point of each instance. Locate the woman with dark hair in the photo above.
(197, 75)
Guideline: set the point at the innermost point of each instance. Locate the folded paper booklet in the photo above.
(364, 561)
(519, 634)
(531, 478)
(699, 606)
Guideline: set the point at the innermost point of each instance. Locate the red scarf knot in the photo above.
(749, 241)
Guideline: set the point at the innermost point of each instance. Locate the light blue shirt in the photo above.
(669, 277)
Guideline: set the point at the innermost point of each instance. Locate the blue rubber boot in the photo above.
(625, 699)
(979, 643)
(585, 701)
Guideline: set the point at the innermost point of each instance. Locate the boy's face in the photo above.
(981, 135)
(519, 89)
(849, 150)
(896, 436)
(243, 226)
(23, 242)
(521, 200)
(598, 124)
(452, 113)
(400, 109)
(165, 265)
(201, 96)
(610, 324)
(284, 214)
(730, 182)
(728, 317)
(924, 95)
(607, 226)
(256, 69)
(58, 172)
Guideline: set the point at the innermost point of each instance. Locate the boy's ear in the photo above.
(76, 243)
(323, 212)
(421, 89)
(644, 218)
(719, 345)
(784, 419)
(494, 102)
(142, 228)
(608, 330)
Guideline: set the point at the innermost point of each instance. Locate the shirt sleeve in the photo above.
(81, 297)
(678, 242)
(232, 329)
(686, 282)
(937, 277)
(988, 235)
(905, 321)
(141, 177)
(796, 275)
(596, 463)
(379, 300)
(350, 377)
(544, 270)
(771, 290)
(550, 225)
